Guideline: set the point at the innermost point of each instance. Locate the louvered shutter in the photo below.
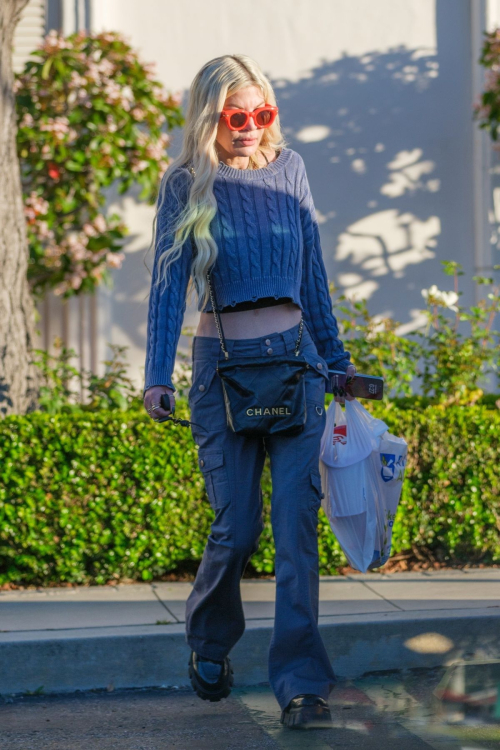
(29, 32)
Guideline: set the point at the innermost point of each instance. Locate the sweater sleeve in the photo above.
(167, 302)
(315, 295)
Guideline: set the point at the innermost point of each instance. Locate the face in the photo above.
(241, 142)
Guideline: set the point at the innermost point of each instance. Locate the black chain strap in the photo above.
(219, 324)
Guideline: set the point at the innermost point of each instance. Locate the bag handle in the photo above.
(218, 322)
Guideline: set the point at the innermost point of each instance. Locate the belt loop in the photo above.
(289, 339)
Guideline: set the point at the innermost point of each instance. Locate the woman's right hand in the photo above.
(152, 397)
(350, 372)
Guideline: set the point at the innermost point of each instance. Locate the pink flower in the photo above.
(76, 280)
(35, 205)
(27, 121)
(53, 251)
(176, 98)
(139, 166)
(60, 288)
(100, 223)
(138, 114)
(115, 260)
(96, 273)
(43, 231)
(89, 230)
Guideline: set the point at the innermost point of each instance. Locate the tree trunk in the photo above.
(18, 375)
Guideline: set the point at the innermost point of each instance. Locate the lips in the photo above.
(246, 141)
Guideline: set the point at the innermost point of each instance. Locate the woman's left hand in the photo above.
(350, 372)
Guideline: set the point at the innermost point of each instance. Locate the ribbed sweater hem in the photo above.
(253, 289)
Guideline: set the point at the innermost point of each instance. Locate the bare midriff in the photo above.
(249, 324)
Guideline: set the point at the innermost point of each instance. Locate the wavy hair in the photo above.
(219, 78)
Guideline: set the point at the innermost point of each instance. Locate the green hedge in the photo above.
(92, 497)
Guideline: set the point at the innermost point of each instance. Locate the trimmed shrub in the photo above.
(89, 497)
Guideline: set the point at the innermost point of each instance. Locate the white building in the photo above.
(376, 96)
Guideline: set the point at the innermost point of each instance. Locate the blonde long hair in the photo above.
(217, 79)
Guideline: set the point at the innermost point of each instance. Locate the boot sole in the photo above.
(204, 694)
(307, 717)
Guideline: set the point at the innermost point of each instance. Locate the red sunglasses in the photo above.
(237, 119)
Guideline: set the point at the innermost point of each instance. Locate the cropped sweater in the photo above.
(268, 243)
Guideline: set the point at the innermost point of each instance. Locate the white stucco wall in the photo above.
(287, 37)
(376, 96)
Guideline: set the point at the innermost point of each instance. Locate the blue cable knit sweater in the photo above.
(268, 245)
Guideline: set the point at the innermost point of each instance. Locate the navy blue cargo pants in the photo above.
(232, 467)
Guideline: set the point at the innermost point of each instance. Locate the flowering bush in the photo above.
(112, 390)
(443, 362)
(453, 363)
(375, 346)
(487, 105)
(90, 113)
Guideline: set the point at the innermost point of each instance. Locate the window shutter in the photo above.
(29, 32)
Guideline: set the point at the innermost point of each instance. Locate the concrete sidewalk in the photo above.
(133, 635)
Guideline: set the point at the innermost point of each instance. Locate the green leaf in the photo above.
(73, 166)
(46, 68)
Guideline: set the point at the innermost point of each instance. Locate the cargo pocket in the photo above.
(214, 470)
(316, 492)
(316, 378)
(203, 375)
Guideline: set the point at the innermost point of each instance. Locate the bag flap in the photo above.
(317, 363)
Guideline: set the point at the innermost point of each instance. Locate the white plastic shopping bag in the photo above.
(344, 444)
(362, 470)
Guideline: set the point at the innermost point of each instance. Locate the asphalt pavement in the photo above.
(412, 710)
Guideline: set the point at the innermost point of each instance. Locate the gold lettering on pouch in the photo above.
(259, 412)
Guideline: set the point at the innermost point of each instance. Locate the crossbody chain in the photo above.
(219, 324)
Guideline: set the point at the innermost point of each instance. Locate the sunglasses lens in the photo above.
(264, 118)
(238, 119)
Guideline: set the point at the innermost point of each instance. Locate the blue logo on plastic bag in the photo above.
(390, 467)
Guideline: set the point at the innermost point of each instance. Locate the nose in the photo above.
(251, 125)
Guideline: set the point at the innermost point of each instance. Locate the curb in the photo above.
(157, 656)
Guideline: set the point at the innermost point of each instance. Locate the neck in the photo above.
(237, 162)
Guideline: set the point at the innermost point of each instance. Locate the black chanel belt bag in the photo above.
(262, 395)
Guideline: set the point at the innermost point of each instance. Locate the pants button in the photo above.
(268, 341)
(269, 351)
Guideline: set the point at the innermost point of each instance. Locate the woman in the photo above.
(246, 197)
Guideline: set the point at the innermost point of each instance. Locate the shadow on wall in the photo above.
(386, 139)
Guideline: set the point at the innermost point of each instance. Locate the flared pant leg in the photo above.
(232, 467)
(298, 661)
(232, 470)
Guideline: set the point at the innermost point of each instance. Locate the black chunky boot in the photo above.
(211, 680)
(307, 711)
